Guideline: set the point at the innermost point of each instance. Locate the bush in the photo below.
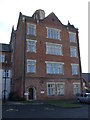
(14, 97)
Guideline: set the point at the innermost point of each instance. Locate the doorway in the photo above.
(31, 93)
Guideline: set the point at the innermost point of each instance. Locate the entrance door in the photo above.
(30, 95)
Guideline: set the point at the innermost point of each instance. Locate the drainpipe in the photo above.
(24, 58)
(79, 63)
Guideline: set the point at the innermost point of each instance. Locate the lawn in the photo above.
(59, 103)
(64, 103)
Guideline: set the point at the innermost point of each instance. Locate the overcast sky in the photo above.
(76, 11)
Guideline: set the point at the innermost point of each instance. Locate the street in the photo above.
(43, 111)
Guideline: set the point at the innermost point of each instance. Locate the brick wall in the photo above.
(40, 57)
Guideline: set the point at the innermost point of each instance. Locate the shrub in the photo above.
(14, 97)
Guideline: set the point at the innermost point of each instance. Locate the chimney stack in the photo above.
(39, 15)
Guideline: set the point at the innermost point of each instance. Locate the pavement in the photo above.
(40, 110)
(22, 103)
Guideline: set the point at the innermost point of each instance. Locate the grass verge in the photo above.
(64, 104)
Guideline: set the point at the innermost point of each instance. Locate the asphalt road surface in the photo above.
(43, 111)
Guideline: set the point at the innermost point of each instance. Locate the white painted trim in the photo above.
(53, 54)
(31, 24)
(60, 83)
(72, 32)
(53, 28)
(74, 64)
(54, 62)
(76, 83)
(53, 43)
(50, 83)
(31, 60)
(75, 37)
(76, 51)
(31, 52)
(35, 45)
(77, 69)
(47, 88)
(63, 88)
(73, 47)
(31, 40)
(27, 65)
(49, 43)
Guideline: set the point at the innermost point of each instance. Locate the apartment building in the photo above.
(46, 58)
(5, 70)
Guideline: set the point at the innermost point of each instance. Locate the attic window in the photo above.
(53, 19)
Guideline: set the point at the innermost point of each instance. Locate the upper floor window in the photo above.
(2, 58)
(54, 68)
(54, 49)
(31, 30)
(74, 69)
(72, 37)
(73, 51)
(31, 45)
(53, 33)
(31, 66)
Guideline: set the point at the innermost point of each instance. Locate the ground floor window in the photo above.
(60, 89)
(50, 88)
(76, 89)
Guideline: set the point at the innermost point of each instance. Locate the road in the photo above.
(43, 111)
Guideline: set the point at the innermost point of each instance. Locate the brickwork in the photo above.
(40, 78)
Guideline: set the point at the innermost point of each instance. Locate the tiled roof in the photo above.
(86, 76)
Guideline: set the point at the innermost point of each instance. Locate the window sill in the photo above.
(31, 73)
(53, 38)
(50, 95)
(54, 74)
(73, 57)
(60, 95)
(75, 75)
(31, 34)
(73, 42)
(54, 54)
(31, 52)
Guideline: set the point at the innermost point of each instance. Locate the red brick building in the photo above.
(5, 70)
(46, 58)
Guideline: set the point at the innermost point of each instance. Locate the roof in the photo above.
(86, 76)
(4, 47)
(51, 17)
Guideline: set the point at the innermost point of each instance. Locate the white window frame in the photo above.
(28, 33)
(7, 73)
(27, 65)
(75, 37)
(55, 70)
(74, 48)
(28, 40)
(58, 91)
(76, 91)
(72, 64)
(53, 29)
(51, 83)
(55, 49)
